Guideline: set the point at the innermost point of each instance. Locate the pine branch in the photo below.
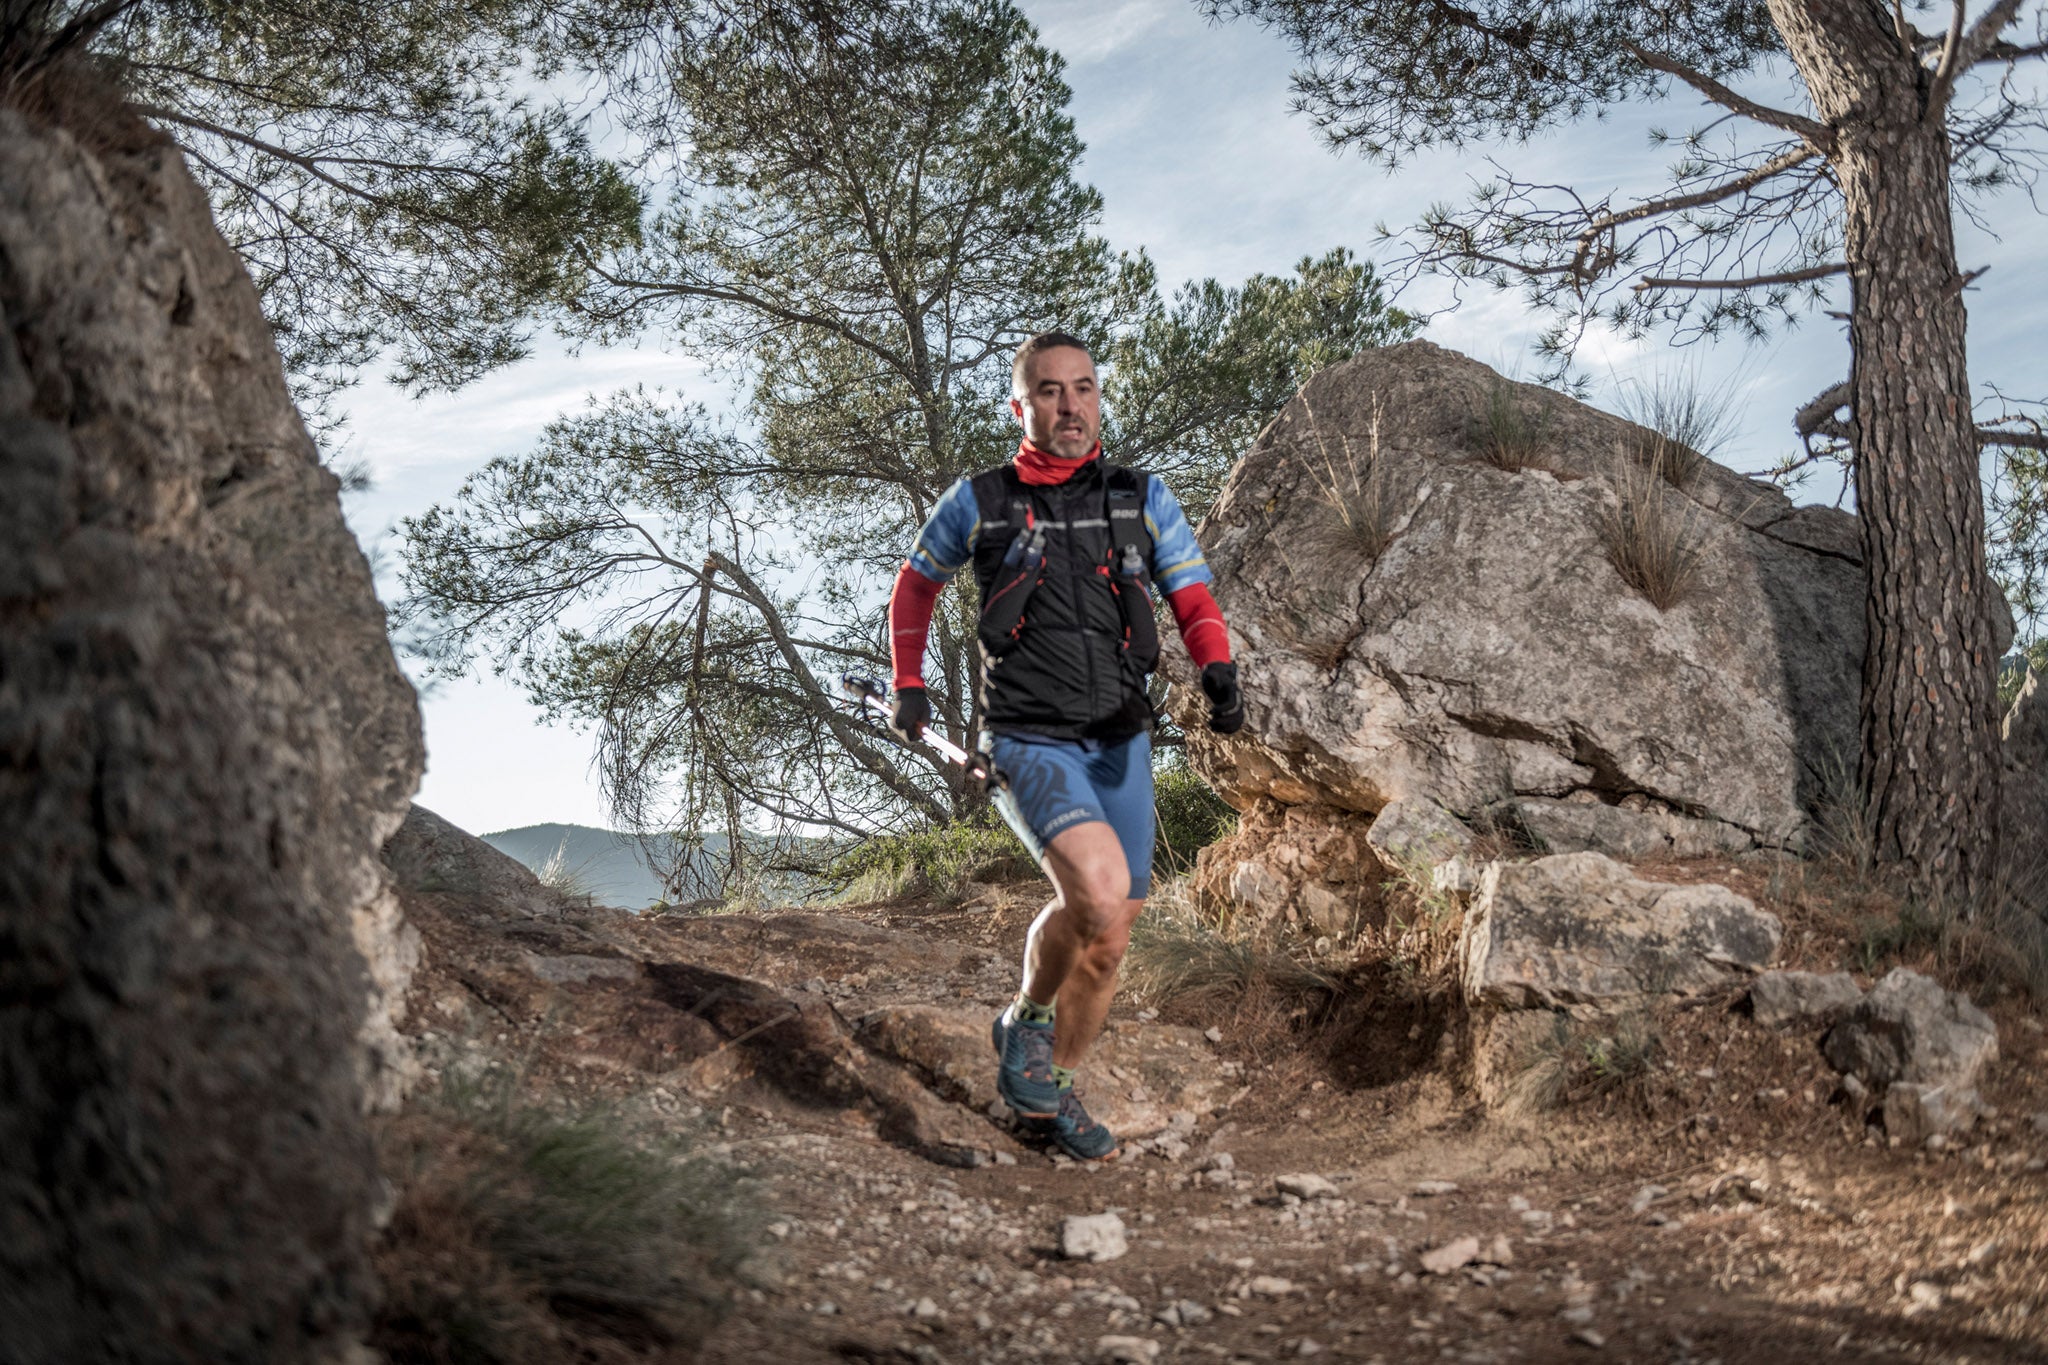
(1814, 272)
(1963, 52)
(1819, 135)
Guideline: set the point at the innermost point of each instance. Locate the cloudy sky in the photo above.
(1191, 142)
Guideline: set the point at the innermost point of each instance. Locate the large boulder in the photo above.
(1581, 929)
(203, 740)
(1414, 621)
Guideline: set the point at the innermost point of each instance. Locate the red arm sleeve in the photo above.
(1201, 624)
(910, 621)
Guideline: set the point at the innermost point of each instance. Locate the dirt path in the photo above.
(1721, 1205)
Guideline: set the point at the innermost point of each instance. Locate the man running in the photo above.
(1064, 548)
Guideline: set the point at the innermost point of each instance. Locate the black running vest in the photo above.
(1067, 631)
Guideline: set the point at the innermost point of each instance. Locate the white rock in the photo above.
(1431, 1189)
(1305, 1186)
(1451, 1256)
(1271, 1286)
(1126, 1350)
(1093, 1237)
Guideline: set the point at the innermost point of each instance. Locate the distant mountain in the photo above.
(614, 868)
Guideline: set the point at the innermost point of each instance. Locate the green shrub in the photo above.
(937, 860)
(517, 1226)
(1191, 815)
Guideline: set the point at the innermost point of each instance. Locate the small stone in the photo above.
(1305, 1186)
(1431, 1189)
(1005, 1159)
(924, 1309)
(1925, 1295)
(826, 1309)
(1214, 1035)
(1309, 1347)
(1217, 1161)
(1499, 1252)
(1126, 1350)
(1271, 1286)
(1219, 1177)
(1646, 1196)
(2040, 1122)
(1577, 1314)
(1451, 1256)
(1854, 1090)
(1093, 1237)
(1983, 1253)
(1586, 1336)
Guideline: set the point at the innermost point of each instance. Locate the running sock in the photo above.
(1029, 1011)
(1062, 1076)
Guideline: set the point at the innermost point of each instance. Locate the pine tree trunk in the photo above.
(1929, 717)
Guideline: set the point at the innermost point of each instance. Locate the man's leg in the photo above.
(1077, 943)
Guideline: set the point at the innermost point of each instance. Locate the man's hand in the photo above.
(1226, 700)
(913, 712)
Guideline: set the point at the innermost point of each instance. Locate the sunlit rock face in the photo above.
(203, 740)
(1415, 621)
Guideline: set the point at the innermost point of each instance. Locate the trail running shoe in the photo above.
(1024, 1066)
(1076, 1134)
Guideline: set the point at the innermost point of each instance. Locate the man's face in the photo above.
(1060, 408)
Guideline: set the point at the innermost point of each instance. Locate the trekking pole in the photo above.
(873, 698)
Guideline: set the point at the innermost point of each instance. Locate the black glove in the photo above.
(913, 712)
(1226, 699)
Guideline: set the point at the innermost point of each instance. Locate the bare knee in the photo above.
(1104, 955)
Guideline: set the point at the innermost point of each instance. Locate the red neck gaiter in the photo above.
(1040, 468)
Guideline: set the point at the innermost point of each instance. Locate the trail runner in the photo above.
(1064, 548)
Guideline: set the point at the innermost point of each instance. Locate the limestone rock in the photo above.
(1915, 1113)
(1619, 831)
(1579, 928)
(430, 855)
(1780, 998)
(1309, 867)
(1489, 647)
(1417, 834)
(1909, 1029)
(1452, 1255)
(204, 738)
(1093, 1237)
(1305, 1186)
(2023, 809)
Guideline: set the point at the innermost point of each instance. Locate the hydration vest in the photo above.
(1067, 632)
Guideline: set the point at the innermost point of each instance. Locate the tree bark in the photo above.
(1929, 711)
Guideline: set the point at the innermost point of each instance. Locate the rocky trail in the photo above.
(1330, 1187)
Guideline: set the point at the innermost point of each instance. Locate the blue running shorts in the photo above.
(1056, 784)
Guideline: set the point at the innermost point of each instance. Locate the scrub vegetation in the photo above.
(525, 1233)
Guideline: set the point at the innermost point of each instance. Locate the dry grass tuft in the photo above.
(1654, 537)
(1507, 437)
(524, 1235)
(1178, 955)
(1573, 1061)
(1356, 491)
(1685, 424)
